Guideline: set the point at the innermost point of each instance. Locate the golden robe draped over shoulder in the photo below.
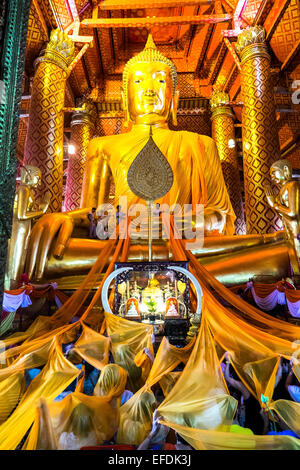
(198, 177)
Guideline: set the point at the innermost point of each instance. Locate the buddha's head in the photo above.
(150, 94)
(281, 171)
(30, 175)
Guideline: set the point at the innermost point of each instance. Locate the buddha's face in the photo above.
(149, 93)
(279, 175)
(30, 178)
(35, 181)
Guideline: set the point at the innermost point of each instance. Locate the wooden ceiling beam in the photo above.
(86, 73)
(204, 50)
(288, 61)
(56, 15)
(233, 53)
(134, 4)
(36, 5)
(153, 21)
(224, 87)
(73, 9)
(69, 93)
(281, 10)
(290, 146)
(262, 12)
(99, 56)
(219, 62)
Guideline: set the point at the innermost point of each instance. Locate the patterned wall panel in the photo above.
(109, 126)
(289, 130)
(62, 12)
(47, 13)
(36, 37)
(294, 158)
(289, 127)
(287, 33)
(194, 123)
(251, 10)
(186, 85)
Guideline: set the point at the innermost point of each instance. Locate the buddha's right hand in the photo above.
(41, 237)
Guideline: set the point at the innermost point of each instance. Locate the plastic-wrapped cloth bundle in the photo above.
(129, 339)
(168, 381)
(111, 382)
(136, 414)
(200, 397)
(77, 419)
(93, 347)
(57, 374)
(201, 439)
(136, 418)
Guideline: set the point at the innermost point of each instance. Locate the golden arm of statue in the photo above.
(293, 210)
(293, 194)
(97, 176)
(61, 224)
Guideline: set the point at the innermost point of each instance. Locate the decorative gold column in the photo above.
(44, 141)
(82, 129)
(260, 136)
(224, 135)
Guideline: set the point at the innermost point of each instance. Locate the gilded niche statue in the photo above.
(23, 215)
(150, 98)
(287, 205)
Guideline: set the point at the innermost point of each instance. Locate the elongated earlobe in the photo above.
(125, 109)
(174, 107)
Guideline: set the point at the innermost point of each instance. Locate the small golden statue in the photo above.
(23, 215)
(287, 205)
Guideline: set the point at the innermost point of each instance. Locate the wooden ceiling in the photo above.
(189, 32)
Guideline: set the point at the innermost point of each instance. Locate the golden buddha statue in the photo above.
(150, 98)
(287, 205)
(23, 215)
